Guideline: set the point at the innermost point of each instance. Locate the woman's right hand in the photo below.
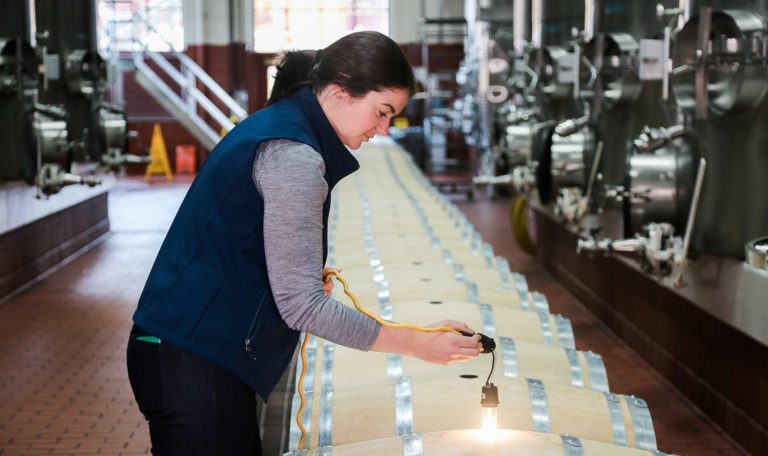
(437, 347)
(446, 347)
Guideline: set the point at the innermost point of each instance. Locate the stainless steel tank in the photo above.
(734, 61)
(732, 137)
(659, 184)
(570, 158)
(619, 70)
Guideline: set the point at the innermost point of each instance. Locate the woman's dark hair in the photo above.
(359, 63)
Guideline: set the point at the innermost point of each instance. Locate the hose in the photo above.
(389, 324)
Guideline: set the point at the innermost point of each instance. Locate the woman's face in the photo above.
(356, 120)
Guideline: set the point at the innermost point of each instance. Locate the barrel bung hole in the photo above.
(468, 376)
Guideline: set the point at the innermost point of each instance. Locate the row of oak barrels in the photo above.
(409, 255)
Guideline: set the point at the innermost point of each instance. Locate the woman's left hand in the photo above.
(327, 282)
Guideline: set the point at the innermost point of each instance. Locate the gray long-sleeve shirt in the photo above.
(289, 177)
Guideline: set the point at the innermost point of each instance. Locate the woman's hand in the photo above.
(438, 348)
(327, 282)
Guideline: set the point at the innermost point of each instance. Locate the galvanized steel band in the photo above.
(598, 377)
(413, 445)
(404, 406)
(564, 332)
(572, 446)
(540, 301)
(546, 327)
(618, 426)
(577, 379)
(645, 437)
(509, 357)
(489, 322)
(539, 406)
(325, 425)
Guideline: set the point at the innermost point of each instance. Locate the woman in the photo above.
(239, 274)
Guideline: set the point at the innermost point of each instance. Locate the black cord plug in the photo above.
(489, 345)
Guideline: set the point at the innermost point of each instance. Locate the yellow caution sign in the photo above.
(235, 120)
(518, 221)
(159, 156)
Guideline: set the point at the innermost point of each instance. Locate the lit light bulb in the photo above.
(490, 419)
(489, 400)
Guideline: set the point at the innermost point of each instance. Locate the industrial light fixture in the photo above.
(489, 396)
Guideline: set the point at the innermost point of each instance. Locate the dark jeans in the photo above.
(192, 406)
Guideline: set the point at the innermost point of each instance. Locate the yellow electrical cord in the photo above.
(389, 324)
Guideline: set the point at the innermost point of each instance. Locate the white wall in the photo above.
(404, 16)
(208, 22)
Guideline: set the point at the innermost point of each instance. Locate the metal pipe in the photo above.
(685, 8)
(520, 26)
(691, 220)
(665, 64)
(593, 171)
(590, 19)
(571, 126)
(537, 22)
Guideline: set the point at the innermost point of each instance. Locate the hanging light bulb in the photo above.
(489, 400)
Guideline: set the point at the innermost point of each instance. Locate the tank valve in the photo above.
(571, 126)
(51, 178)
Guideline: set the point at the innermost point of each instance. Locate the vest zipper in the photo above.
(252, 328)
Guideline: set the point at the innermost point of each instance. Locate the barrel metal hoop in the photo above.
(539, 407)
(520, 282)
(404, 406)
(489, 322)
(504, 272)
(413, 445)
(473, 295)
(509, 357)
(546, 327)
(394, 365)
(573, 363)
(645, 437)
(572, 446)
(378, 274)
(447, 256)
(325, 422)
(523, 297)
(458, 272)
(564, 332)
(598, 377)
(385, 305)
(618, 426)
(540, 301)
(327, 375)
(476, 237)
(488, 253)
(374, 258)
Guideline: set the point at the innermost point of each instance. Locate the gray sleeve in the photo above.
(289, 176)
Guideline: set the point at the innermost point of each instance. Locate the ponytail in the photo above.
(359, 63)
(293, 71)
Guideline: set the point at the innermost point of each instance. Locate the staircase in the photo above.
(176, 89)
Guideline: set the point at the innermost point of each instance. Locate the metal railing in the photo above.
(184, 100)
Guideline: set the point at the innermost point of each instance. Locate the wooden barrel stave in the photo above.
(467, 442)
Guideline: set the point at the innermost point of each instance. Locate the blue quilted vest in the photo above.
(208, 291)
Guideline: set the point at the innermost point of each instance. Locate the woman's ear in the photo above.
(339, 93)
